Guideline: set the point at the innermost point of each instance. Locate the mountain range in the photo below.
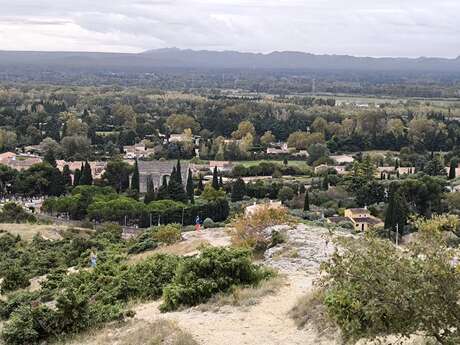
(205, 59)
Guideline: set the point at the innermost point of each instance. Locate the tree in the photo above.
(306, 204)
(175, 187)
(267, 139)
(215, 179)
(117, 174)
(150, 195)
(452, 169)
(238, 190)
(163, 191)
(397, 211)
(200, 184)
(76, 177)
(67, 175)
(178, 123)
(178, 172)
(210, 194)
(190, 188)
(50, 158)
(135, 179)
(285, 193)
(86, 175)
(75, 147)
(391, 291)
(244, 128)
(434, 167)
(325, 183)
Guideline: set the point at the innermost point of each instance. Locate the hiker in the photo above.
(93, 258)
(197, 223)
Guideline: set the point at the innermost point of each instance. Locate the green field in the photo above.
(290, 162)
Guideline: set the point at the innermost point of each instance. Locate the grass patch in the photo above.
(311, 311)
(244, 296)
(135, 332)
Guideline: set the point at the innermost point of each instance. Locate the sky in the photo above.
(409, 28)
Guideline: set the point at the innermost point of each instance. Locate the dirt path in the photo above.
(266, 323)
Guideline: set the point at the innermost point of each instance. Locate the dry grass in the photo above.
(28, 231)
(135, 332)
(310, 311)
(180, 248)
(244, 296)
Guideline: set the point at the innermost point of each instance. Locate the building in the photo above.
(221, 165)
(278, 149)
(19, 162)
(250, 210)
(339, 169)
(362, 219)
(342, 159)
(137, 151)
(156, 170)
(97, 167)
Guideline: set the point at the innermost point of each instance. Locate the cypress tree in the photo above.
(397, 211)
(326, 182)
(163, 191)
(178, 172)
(189, 187)
(135, 180)
(200, 184)
(306, 204)
(86, 175)
(221, 182)
(67, 175)
(150, 195)
(238, 190)
(76, 177)
(50, 158)
(57, 183)
(215, 179)
(175, 188)
(453, 166)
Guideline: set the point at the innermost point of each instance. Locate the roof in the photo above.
(368, 220)
(358, 210)
(338, 219)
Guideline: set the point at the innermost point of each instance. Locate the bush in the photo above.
(168, 234)
(208, 223)
(249, 230)
(215, 270)
(14, 278)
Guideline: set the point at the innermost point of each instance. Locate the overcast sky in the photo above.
(356, 27)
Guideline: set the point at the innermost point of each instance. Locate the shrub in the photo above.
(168, 234)
(14, 301)
(208, 223)
(214, 270)
(14, 278)
(249, 230)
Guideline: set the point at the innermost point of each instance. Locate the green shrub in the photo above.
(14, 301)
(214, 270)
(168, 234)
(208, 223)
(14, 278)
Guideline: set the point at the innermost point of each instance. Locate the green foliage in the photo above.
(212, 194)
(373, 289)
(15, 213)
(208, 223)
(168, 234)
(238, 190)
(214, 270)
(135, 179)
(285, 194)
(14, 277)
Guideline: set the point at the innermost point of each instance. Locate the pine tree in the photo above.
(67, 175)
(163, 191)
(306, 204)
(135, 180)
(452, 169)
(150, 195)
(76, 177)
(238, 190)
(215, 179)
(50, 158)
(86, 175)
(189, 187)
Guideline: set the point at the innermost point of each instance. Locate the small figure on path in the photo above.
(93, 258)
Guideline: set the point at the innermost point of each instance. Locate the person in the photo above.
(93, 258)
(197, 223)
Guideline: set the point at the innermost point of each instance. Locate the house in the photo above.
(342, 159)
(339, 169)
(155, 170)
(137, 151)
(221, 165)
(250, 210)
(19, 162)
(386, 171)
(280, 148)
(362, 219)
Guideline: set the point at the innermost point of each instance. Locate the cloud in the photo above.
(358, 27)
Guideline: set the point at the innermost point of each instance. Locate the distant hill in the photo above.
(204, 59)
